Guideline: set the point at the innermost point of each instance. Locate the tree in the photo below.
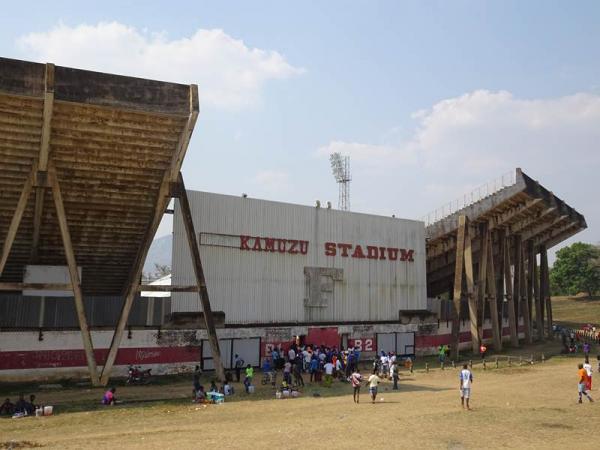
(161, 270)
(577, 269)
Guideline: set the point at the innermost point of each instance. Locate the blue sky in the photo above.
(430, 99)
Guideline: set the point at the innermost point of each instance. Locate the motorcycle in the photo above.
(138, 376)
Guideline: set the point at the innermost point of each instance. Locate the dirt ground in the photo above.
(517, 407)
(528, 406)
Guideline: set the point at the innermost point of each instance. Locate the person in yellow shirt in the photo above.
(373, 382)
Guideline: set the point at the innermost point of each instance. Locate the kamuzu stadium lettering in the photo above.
(299, 247)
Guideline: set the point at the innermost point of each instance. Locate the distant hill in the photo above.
(159, 253)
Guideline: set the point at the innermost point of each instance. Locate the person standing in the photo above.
(356, 379)
(314, 366)
(465, 379)
(249, 372)
(373, 382)
(581, 386)
(394, 375)
(196, 379)
(588, 368)
(442, 354)
(328, 367)
(238, 364)
(586, 349)
(287, 372)
(298, 380)
(482, 350)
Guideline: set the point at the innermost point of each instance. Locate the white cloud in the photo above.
(486, 131)
(229, 74)
(460, 143)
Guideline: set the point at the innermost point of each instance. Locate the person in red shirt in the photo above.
(583, 378)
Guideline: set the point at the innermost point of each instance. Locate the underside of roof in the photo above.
(525, 210)
(113, 141)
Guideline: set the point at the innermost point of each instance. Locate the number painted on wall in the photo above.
(364, 345)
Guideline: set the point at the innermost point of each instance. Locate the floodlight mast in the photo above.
(340, 166)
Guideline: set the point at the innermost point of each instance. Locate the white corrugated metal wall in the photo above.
(264, 287)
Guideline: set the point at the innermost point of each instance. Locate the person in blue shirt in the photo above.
(356, 355)
(314, 367)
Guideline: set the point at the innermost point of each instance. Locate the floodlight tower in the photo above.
(340, 166)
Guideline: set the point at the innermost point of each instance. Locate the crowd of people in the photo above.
(288, 371)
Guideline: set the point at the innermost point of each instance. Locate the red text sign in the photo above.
(368, 252)
(272, 245)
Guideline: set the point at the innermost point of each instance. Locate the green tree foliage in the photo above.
(577, 269)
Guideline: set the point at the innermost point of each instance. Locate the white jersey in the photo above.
(466, 377)
(588, 369)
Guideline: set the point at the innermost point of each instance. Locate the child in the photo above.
(109, 397)
(249, 372)
(227, 388)
(465, 379)
(356, 378)
(582, 373)
(200, 395)
(247, 384)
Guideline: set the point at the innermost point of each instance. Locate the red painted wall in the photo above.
(76, 358)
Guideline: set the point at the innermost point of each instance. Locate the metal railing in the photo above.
(477, 194)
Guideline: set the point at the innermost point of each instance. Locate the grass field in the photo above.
(575, 311)
(529, 406)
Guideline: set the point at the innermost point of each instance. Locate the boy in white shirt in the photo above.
(588, 368)
(465, 379)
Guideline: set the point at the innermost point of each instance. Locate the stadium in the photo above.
(90, 162)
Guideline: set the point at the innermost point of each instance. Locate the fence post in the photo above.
(427, 367)
(484, 366)
(470, 364)
(497, 365)
(453, 364)
(543, 358)
(509, 362)
(520, 361)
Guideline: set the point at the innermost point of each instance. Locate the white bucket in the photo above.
(48, 410)
(251, 389)
(39, 412)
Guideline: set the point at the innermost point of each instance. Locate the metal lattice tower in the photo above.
(340, 166)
